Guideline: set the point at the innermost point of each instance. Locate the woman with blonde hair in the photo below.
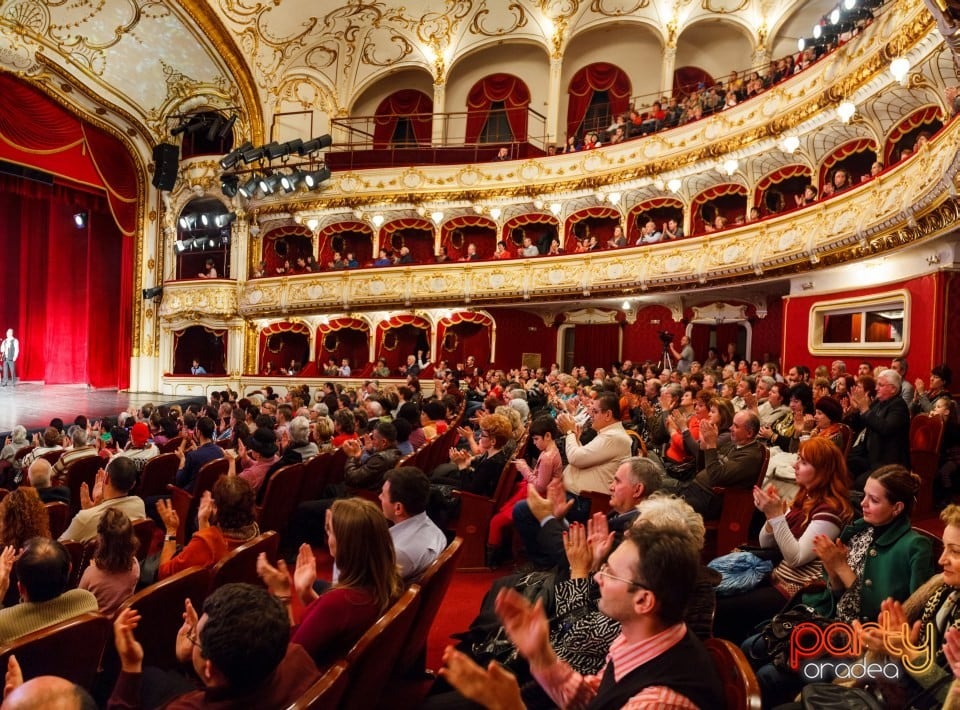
(366, 581)
(113, 573)
(821, 507)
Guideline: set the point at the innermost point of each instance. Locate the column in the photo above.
(667, 69)
(553, 103)
(439, 109)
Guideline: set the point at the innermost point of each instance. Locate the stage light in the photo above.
(181, 247)
(228, 185)
(80, 219)
(204, 220)
(835, 15)
(252, 154)
(184, 223)
(265, 185)
(315, 144)
(231, 158)
(248, 188)
(227, 126)
(293, 146)
(195, 124)
(289, 182)
(225, 220)
(155, 292)
(214, 129)
(274, 150)
(313, 179)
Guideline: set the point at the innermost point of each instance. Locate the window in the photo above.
(497, 127)
(873, 325)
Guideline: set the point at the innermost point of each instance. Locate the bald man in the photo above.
(39, 475)
(46, 692)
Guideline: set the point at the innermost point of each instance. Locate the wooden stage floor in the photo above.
(33, 404)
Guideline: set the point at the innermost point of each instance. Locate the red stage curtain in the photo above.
(67, 292)
(596, 345)
(599, 76)
(36, 131)
(514, 94)
(406, 103)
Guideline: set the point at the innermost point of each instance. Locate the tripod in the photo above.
(666, 363)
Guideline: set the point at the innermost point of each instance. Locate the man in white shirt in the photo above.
(10, 350)
(416, 539)
(649, 233)
(112, 490)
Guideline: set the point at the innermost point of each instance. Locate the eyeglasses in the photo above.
(604, 573)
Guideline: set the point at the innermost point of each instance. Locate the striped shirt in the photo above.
(571, 691)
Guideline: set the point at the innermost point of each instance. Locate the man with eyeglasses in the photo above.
(656, 661)
(884, 425)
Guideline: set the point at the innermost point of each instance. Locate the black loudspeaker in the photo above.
(166, 162)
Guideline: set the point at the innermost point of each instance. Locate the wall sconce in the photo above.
(900, 69)
(437, 216)
(730, 166)
(313, 223)
(790, 144)
(556, 208)
(377, 220)
(614, 198)
(806, 285)
(933, 259)
(674, 185)
(495, 212)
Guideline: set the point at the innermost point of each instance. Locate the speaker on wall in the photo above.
(166, 162)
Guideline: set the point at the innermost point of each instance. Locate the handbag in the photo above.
(776, 634)
(790, 580)
(827, 696)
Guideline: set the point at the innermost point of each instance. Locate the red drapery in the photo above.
(415, 234)
(600, 222)
(596, 345)
(344, 338)
(687, 79)
(401, 335)
(405, 103)
(341, 236)
(465, 333)
(36, 131)
(920, 117)
(458, 232)
(659, 209)
(67, 290)
(207, 345)
(599, 76)
(523, 222)
(709, 196)
(775, 178)
(514, 94)
(296, 240)
(282, 342)
(843, 152)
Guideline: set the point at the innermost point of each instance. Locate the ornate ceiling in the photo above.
(144, 60)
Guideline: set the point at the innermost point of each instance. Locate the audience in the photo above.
(113, 572)
(111, 490)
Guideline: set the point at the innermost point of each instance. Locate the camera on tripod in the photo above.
(666, 337)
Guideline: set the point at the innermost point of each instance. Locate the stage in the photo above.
(33, 404)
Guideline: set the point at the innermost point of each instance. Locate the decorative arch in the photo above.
(599, 76)
(464, 333)
(660, 209)
(456, 233)
(208, 345)
(540, 227)
(415, 234)
(728, 199)
(343, 337)
(592, 221)
(506, 88)
(279, 343)
(688, 79)
(340, 237)
(905, 131)
(856, 156)
(401, 335)
(410, 105)
(788, 178)
(285, 243)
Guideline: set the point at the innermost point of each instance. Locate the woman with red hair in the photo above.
(821, 507)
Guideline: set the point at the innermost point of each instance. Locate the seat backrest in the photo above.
(157, 474)
(206, 477)
(280, 497)
(327, 692)
(433, 584)
(52, 456)
(846, 436)
(144, 529)
(82, 471)
(740, 687)
(765, 452)
(936, 543)
(71, 649)
(599, 502)
(75, 550)
(161, 613)
(314, 476)
(171, 445)
(926, 433)
(240, 565)
(375, 655)
(504, 489)
(59, 514)
(22, 451)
